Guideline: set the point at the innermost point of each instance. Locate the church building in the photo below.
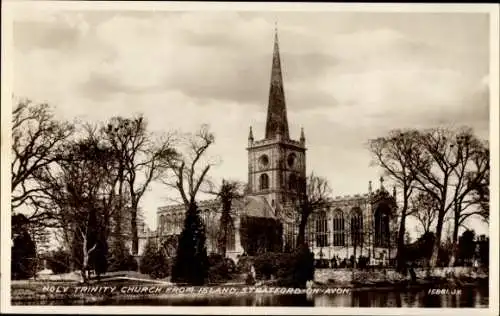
(349, 226)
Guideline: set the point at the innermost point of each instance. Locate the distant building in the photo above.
(361, 224)
(143, 231)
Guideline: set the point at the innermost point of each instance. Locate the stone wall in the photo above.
(345, 276)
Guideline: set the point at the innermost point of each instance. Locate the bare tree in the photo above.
(83, 193)
(424, 209)
(314, 194)
(444, 175)
(138, 156)
(191, 167)
(471, 173)
(397, 155)
(37, 139)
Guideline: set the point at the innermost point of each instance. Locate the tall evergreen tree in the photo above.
(191, 264)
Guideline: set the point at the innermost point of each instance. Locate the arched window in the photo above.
(338, 228)
(204, 214)
(290, 236)
(168, 224)
(292, 182)
(357, 227)
(212, 229)
(321, 230)
(178, 223)
(162, 225)
(264, 182)
(382, 226)
(231, 238)
(309, 231)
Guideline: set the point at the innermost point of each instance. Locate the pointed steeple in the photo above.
(250, 137)
(302, 136)
(277, 122)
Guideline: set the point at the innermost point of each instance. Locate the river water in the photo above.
(469, 296)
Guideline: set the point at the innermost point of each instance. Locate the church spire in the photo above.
(250, 137)
(277, 123)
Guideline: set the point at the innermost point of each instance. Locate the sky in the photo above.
(348, 77)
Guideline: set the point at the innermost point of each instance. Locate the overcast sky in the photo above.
(348, 77)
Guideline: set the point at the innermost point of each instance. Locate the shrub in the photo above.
(154, 262)
(121, 260)
(266, 265)
(59, 261)
(23, 257)
(322, 263)
(291, 269)
(363, 262)
(244, 264)
(220, 269)
(299, 269)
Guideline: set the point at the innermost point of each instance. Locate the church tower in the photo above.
(277, 163)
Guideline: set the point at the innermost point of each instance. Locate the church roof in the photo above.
(257, 206)
(277, 122)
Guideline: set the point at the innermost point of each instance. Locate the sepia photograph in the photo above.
(331, 157)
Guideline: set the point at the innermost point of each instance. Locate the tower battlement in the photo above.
(266, 142)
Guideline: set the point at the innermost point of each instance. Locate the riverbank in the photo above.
(381, 277)
(64, 289)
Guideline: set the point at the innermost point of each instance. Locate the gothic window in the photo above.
(167, 223)
(338, 228)
(231, 238)
(291, 160)
(204, 217)
(290, 236)
(173, 223)
(321, 230)
(264, 182)
(357, 227)
(382, 226)
(209, 221)
(178, 223)
(162, 224)
(292, 182)
(309, 232)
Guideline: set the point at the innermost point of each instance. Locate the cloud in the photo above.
(348, 77)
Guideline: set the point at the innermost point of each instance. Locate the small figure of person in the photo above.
(251, 276)
(413, 275)
(475, 264)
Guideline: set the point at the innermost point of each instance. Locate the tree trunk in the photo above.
(133, 226)
(401, 242)
(85, 262)
(454, 252)
(400, 256)
(437, 242)
(302, 230)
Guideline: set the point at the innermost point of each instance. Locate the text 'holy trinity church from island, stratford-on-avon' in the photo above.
(360, 225)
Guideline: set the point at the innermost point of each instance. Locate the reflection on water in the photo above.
(471, 296)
